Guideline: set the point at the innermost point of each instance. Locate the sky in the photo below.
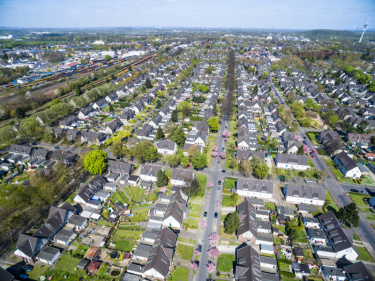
(267, 14)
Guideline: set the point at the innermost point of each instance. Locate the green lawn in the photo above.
(337, 172)
(368, 181)
(358, 198)
(131, 234)
(134, 192)
(191, 222)
(329, 198)
(185, 252)
(331, 207)
(313, 136)
(270, 206)
(225, 262)
(123, 244)
(370, 217)
(280, 227)
(68, 264)
(202, 179)
(228, 201)
(364, 254)
(180, 274)
(195, 209)
(37, 271)
(230, 183)
(107, 119)
(186, 240)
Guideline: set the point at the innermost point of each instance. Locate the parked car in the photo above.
(313, 156)
(219, 182)
(218, 188)
(313, 151)
(215, 215)
(200, 248)
(309, 181)
(354, 190)
(23, 276)
(223, 171)
(28, 268)
(57, 147)
(205, 214)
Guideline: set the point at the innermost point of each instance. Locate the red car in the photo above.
(313, 151)
(313, 156)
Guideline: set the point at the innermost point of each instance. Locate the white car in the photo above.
(309, 181)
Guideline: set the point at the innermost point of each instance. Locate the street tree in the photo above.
(349, 215)
(185, 162)
(96, 162)
(199, 161)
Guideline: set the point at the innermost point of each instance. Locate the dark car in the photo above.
(219, 182)
(57, 147)
(215, 215)
(354, 190)
(218, 188)
(223, 171)
(200, 248)
(23, 276)
(222, 149)
(205, 214)
(28, 268)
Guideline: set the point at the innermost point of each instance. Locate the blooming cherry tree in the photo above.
(213, 252)
(306, 149)
(211, 267)
(196, 252)
(297, 137)
(210, 184)
(202, 223)
(214, 238)
(213, 153)
(194, 265)
(226, 134)
(223, 155)
(215, 148)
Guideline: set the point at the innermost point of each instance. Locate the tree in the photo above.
(194, 187)
(174, 160)
(255, 90)
(185, 162)
(184, 107)
(158, 104)
(192, 151)
(199, 161)
(110, 106)
(246, 168)
(96, 162)
(162, 178)
(194, 265)
(261, 170)
(333, 119)
(293, 234)
(231, 223)
(323, 175)
(213, 252)
(20, 113)
(349, 215)
(174, 117)
(178, 136)
(159, 134)
(210, 267)
(213, 122)
(107, 57)
(117, 149)
(148, 83)
(233, 163)
(214, 238)
(145, 151)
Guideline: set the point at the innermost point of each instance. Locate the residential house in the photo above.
(166, 147)
(247, 232)
(291, 162)
(181, 177)
(254, 188)
(301, 194)
(149, 172)
(347, 166)
(113, 127)
(247, 264)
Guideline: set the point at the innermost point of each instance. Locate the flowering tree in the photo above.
(210, 184)
(218, 201)
(215, 148)
(223, 154)
(213, 153)
(214, 238)
(226, 134)
(194, 265)
(225, 139)
(297, 137)
(213, 252)
(211, 267)
(197, 252)
(202, 223)
(306, 149)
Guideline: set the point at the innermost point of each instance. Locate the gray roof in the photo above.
(264, 225)
(5, 275)
(247, 214)
(269, 277)
(64, 235)
(255, 201)
(268, 260)
(48, 253)
(292, 159)
(266, 238)
(358, 271)
(119, 166)
(150, 170)
(143, 250)
(248, 264)
(347, 163)
(335, 233)
(135, 267)
(334, 271)
(317, 233)
(254, 185)
(285, 210)
(307, 208)
(166, 144)
(302, 191)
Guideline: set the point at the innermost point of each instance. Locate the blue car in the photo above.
(23, 276)
(57, 147)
